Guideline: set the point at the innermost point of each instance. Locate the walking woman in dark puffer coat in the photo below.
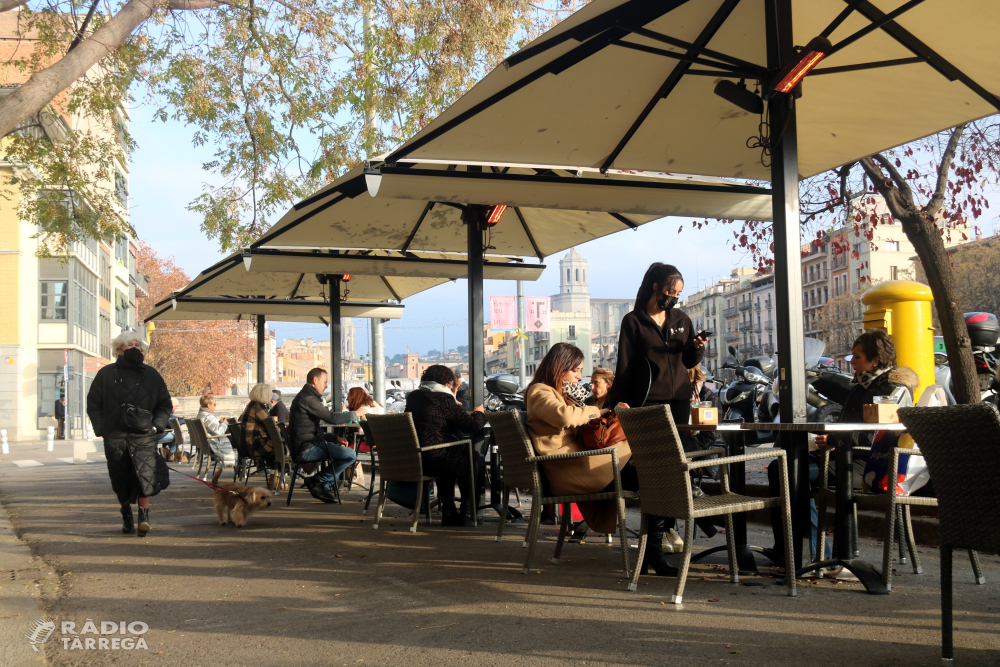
(131, 456)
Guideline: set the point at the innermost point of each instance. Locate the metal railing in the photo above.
(756, 306)
(746, 326)
(769, 325)
(768, 348)
(711, 354)
(756, 327)
(729, 312)
(745, 305)
(730, 335)
(767, 304)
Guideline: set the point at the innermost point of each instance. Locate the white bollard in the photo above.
(50, 437)
(90, 430)
(4, 449)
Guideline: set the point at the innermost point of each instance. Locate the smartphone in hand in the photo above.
(705, 334)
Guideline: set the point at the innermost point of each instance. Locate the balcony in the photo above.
(746, 326)
(756, 306)
(541, 336)
(745, 305)
(729, 312)
(769, 326)
(712, 353)
(767, 304)
(141, 284)
(767, 348)
(756, 327)
(730, 336)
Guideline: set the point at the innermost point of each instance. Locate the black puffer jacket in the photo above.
(131, 457)
(304, 419)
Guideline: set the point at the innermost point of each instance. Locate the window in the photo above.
(105, 335)
(826, 294)
(892, 273)
(892, 246)
(567, 275)
(121, 189)
(121, 251)
(105, 287)
(54, 301)
(572, 332)
(578, 275)
(857, 248)
(121, 309)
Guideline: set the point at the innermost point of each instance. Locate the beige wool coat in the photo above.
(554, 429)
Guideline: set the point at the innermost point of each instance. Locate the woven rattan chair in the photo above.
(666, 488)
(180, 439)
(958, 441)
(898, 522)
(206, 455)
(282, 458)
(400, 460)
(521, 469)
(370, 442)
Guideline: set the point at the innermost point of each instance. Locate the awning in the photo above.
(395, 267)
(313, 311)
(551, 209)
(231, 278)
(630, 84)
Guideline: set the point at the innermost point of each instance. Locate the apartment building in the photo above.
(762, 336)
(815, 283)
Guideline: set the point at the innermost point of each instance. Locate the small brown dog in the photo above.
(235, 502)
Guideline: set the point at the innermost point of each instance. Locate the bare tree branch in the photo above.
(937, 199)
(32, 96)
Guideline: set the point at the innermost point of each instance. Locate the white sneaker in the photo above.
(672, 542)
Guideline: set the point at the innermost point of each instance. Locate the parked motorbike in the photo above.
(984, 332)
(746, 397)
(504, 393)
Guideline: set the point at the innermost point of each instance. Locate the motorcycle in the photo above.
(746, 397)
(984, 332)
(504, 393)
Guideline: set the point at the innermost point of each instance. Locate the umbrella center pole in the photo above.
(261, 348)
(336, 363)
(474, 219)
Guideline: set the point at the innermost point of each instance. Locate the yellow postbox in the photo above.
(902, 308)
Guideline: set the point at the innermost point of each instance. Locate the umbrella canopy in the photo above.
(420, 207)
(293, 274)
(312, 311)
(630, 84)
(395, 268)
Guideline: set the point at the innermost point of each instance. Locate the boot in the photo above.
(707, 526)
(144, 526)
(654, 557)
(450, 516)
(128, 525)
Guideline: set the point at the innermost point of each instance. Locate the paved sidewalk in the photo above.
(312, 584)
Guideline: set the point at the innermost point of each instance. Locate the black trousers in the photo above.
(450, 466)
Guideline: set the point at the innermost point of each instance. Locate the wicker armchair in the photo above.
(898, 521)
(666, 488)
(399, 453)
(521, 469)
(200, 439)
(957, 442)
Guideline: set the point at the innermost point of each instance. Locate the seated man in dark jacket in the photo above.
(278, 409)
(308, 442)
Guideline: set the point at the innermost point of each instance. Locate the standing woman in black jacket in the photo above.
(131, 456)
(659, 333)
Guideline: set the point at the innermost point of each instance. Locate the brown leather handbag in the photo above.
(602, 432)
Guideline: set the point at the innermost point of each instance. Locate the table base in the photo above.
(866, 574)
(744, 557)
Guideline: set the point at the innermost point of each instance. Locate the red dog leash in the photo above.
(208, 484)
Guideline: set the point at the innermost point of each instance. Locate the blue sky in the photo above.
(166, 175)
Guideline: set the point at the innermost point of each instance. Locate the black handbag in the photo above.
(133, 418)
(136, 420)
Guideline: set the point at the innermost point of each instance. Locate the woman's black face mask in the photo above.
(666, 302)
(133, 355)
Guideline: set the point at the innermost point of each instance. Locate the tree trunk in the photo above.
(926, 239)
(923, 232)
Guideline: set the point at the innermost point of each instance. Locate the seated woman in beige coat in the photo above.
(554, 422)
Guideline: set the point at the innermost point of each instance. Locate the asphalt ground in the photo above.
(313, 584)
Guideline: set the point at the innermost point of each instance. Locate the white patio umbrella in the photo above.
(312, 311)
(631, 84)
(293, 277)
(681, 85)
